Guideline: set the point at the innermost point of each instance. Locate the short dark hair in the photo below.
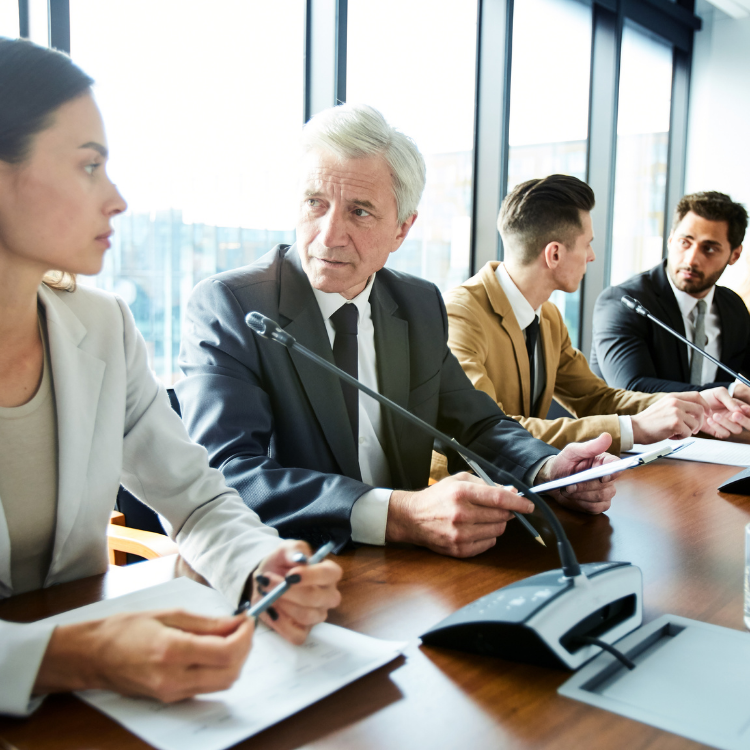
(34, 82)
(715, 206)
(541, 211)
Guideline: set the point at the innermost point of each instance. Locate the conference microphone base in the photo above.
(541, 620)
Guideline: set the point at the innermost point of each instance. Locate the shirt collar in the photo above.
(330, 302)
(687, 302)
(523, 311)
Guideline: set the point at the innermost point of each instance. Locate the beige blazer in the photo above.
(488, 342)
(115, 425)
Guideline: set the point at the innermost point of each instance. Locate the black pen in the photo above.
(261, 606)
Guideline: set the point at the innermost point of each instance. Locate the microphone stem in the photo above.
(570, 565)
(734, 374)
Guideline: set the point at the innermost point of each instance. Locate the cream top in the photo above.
(28, 480)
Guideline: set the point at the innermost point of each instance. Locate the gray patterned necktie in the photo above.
(700, 340)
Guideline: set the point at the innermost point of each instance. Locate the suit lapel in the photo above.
(670, 314)
(503, 309)
(392, 355)
(726, 327)
(77, 380)
(303, 320)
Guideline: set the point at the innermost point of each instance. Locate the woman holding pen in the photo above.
(81, 412)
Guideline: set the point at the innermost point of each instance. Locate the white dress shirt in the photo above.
(687, 304)
(525, 313)
(370, 511)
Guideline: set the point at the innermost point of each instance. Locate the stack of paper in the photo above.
(277, 680)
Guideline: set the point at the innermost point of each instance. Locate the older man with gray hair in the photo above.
(315, 458)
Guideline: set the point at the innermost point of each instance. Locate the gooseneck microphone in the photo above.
(633, 304)
(557, 618)
(269, 329)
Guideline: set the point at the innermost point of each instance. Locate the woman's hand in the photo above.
(308, 601)
(169, 655)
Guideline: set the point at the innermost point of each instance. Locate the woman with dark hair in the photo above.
(80, 412)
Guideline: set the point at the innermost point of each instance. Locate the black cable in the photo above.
(590, 640)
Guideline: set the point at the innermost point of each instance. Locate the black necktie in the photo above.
(532, 335)
(346, 356)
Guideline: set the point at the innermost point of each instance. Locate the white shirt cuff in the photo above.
(22, 648)
(626, 434)
(531, 474)
(732, 386)
(369, 517)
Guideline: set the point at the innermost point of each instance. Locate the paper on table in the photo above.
(708, 451)
(277, 680)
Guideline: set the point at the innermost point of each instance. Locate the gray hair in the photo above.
(353, 131)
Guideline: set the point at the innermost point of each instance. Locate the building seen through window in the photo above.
(416, 63)
(203, 109)
(9, 18)
(642, 149)
(549, 104)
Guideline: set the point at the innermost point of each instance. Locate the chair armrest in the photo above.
(138, 542)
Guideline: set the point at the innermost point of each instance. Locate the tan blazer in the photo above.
(488, 342)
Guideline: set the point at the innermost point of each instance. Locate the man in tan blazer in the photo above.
(547, 234)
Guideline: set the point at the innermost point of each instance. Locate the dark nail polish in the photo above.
(299, 558)
(262, 580)
(296, 578)
(262, 591)
(273, 614)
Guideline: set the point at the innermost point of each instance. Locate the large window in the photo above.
(642, 149)
(549, 103)
(9, 18)
(416, 62)
(203, 108)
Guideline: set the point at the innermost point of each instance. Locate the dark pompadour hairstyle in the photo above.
(715, 206)
(541, 211)
(34, 82)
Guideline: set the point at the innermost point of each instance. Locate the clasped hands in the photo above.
(680, 415)
(173, 655)
(461, 516)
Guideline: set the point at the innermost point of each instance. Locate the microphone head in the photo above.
(634, 305)
(269, 329)
(260, 324)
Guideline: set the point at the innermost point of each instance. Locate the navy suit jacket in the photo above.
(629, 351)
(275, 423)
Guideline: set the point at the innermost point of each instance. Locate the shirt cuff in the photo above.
(626, 434)
(369, 517)
(22, 648)
(531, 474)
(732, 386)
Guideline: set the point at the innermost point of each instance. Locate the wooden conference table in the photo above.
(667, 518)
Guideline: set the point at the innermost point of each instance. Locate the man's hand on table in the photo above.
(590, 497)
(460, 516)
(726, 415)
(675, 416)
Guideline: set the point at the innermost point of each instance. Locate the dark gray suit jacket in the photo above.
(275, 423)
(629, 351)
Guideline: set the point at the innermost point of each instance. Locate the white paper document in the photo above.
(651, 453)
(277, 680)
(702, 449)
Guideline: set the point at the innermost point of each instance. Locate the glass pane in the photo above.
(397, 62)
(644, 107)
(9, 18)
(203, 107)
(549, 102)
